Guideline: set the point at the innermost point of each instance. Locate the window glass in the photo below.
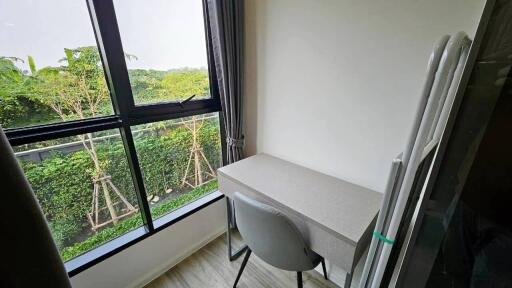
(50, 68)
(166, 49)
(179, 159)
(51, 71)
(84, 188)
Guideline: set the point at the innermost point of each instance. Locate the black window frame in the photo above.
(127, 114)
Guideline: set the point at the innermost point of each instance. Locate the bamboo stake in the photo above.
(108, 201)
(186, 170)
(207, 163)
(96, 202)
(128, 204)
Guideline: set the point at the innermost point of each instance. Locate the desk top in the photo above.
(341, 207)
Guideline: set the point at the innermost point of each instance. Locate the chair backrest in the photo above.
(272, 236)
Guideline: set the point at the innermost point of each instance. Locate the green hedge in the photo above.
(135, 221)
(63, 185)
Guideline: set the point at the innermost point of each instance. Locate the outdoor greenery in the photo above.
(77, 89)
(65, 195)
(64, 181)
(150, 86)
(135, 221)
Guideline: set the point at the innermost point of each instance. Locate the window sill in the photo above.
(96, 255)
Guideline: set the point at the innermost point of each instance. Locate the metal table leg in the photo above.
(348, 278)
(230, 225)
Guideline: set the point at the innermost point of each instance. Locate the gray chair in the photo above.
(273, 237)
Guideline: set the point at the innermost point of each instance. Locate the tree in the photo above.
(146, 84)
(196, 157)
(75, 91)
(78, 91)
(14, 91)
(181, 84)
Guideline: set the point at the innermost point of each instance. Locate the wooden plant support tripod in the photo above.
(102, 183)
(197, 156)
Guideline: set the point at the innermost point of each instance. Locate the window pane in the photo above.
(50, 68)
(179, 159)
(84, 187)
(166, 48)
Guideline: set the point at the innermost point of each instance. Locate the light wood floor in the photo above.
(210, 267)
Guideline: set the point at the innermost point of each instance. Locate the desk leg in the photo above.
(230, 224)
(348, 280)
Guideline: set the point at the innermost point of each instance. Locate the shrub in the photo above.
(135, 221)
(64, 186)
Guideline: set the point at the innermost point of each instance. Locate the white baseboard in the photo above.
(155, 273)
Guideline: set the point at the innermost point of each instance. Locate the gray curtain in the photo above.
(29, 255)
(226, 24)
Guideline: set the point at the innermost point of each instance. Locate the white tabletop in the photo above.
(339, 206)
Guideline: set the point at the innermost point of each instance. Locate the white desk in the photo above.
(335, 216)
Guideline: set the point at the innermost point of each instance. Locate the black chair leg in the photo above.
(323, 268)
(299, 279)
(246, 258)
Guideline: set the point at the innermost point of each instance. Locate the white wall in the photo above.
(144, 261)
(333, 84)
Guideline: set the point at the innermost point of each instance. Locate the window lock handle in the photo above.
(186, 100)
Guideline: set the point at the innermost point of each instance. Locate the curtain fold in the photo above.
(29, 255)
(226, 28)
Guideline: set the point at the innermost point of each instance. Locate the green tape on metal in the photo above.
(383, 238)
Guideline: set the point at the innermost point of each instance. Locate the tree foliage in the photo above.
(185, 83)
(76, 89)
(149, 86)
(65, 195)
(146, 84)
(16, 91)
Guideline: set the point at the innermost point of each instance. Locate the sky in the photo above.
(163, 34)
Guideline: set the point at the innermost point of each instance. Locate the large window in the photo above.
(170, 64)
(178, 160)
(84, 188)
(49, 63)
(110, 139)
